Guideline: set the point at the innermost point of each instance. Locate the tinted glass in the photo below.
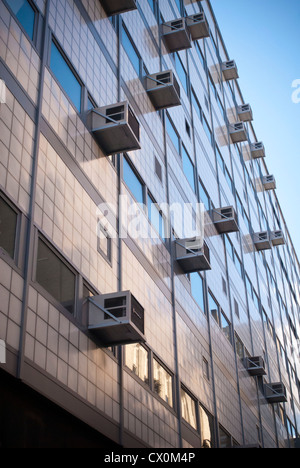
(172, 134)
(25, 14)
(132, 182)
(181, 72)
(65, 76)
(8, 226)
(188, 168)
(131, 52)
(197, 289)
(55, 277)
(155, 217)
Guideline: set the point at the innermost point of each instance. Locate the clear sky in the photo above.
(263, 37)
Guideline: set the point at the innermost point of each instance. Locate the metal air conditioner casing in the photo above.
(262, 241)
(229, 70)
(245, 113)
(192, 258)
(238, 132)
(255, 366)
(198, 26)
(163, 89)
(115, 128)
(275, 392)
(277, 238)
(176, 35)
(115, 7)
(225, 220)
(257, 150)
(116, 319)
(269, 182)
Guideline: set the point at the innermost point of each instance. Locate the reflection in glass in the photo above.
(188, 409)
(136, 358)
(162, 383)
(206, 425)
(8, 226)
(25, 14)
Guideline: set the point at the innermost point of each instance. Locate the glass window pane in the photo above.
(225, 439)
(162, 383)
(207, 129)
(136, 358)
(172, 134)
(206, 426)
(65, 76)
(8, 226)
(188, 168)
(55, 277)
(181, 73)
(213, 307)
(197, 289)
(155, 217)
(203, 196)
(25, 14)
(188, 408)
(225, 325)
(132, 182)
(130, 50)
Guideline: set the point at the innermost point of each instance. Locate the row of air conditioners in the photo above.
(266, 240)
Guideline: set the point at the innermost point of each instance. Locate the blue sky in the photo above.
(263, 37)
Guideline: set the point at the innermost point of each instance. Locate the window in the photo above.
(156, 217)
(225, 325)
(206, 428)
(104, 242)
(204, 196)
(207, 129)
(213, 307)
(53, 274)
(188, 408)
(229, 247)
(25, 14)
(197, 289)
(136, 359)
(131, 51)
(188, 168)
(8, 228)
(132, 181)
(239, 347)
(205, 368)
(163, 382)
(65, 76)
(172, 134)
(182, 74)
(225, 439)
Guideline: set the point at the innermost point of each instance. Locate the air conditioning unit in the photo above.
(262, 241)
(269, 182)
(198, 26)
(176, 35)
(192, 257)
(163, 89)
(277, 238)
(245, 113)
(229, 70)
(255, 366)
(225, 220)
(2, 92)
(275, 393)
(257, 150)
(115, 127)
(115, 7)
(116, 319)
(238, 132)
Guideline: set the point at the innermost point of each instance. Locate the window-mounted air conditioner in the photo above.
(255, 366)
(225, 220)
(115, 127)
(257, 150)
(262, 240)
(238, 132)
(229, 70)
(245, 113)
(275, 392)
(115, 7)
(277, 238)
(163, 89)
(116, 319)
(269, 182)
(176, 35)
(2, 92)
(192, 255)
(198, 26)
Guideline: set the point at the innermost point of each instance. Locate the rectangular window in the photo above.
(25, 14)
(182, 74)
(104, 241)
(8, 228)
(214, 308)
(188, 408)
(188, 168)
(225, 325)
(172, 134)
(163, 383)
(131, 51)
(197, 289)
(207, 129)
(132, 181)
(207, 428)
(55, 276)
(136, 359)
(156, 217)
(204, 196)
(65, 76)
(196, 105)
